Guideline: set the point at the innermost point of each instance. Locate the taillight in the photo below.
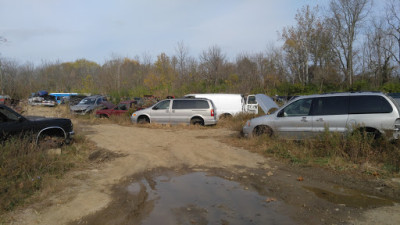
(212, 112)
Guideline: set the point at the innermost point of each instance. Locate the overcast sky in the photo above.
(97, 30)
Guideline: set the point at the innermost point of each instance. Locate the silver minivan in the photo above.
(307, 116)
(185, 111)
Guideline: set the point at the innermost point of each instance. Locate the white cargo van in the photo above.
(230, 104)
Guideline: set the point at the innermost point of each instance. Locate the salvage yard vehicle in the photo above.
(88, 105)
(42, 98)
(307, 116)
(111, 109)
(185, 111)
(14, 124)
(230, 104)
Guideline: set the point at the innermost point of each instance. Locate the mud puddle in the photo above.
(351, 198)
(193, 198)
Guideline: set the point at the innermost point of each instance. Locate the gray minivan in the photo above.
(307, 116)
(186, 111)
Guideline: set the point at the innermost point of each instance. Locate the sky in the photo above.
(39, 31)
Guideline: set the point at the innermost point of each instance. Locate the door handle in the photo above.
(304, 119)
(320, 120)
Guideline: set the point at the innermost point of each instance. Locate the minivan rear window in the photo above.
(369, 104)
(190, 104)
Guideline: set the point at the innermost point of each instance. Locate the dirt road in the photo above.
(99, 194)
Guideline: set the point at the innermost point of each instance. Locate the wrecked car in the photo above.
(42, 98)
(88, 105)
(111, 109)
(58, 130)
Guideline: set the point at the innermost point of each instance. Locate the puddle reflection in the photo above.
(196, 198)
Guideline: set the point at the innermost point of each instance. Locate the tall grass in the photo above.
(24, 167)
(329, 149)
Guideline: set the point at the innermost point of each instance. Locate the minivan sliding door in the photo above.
(330, 113)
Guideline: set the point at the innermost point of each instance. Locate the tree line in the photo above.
(342, 48)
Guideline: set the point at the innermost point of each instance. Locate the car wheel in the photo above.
(47, 141)
(143, 120)
(370, 132)
(226, 116)
(197, 121)
(262, 130)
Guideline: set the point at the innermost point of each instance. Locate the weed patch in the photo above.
(26, 167)
(356, 151)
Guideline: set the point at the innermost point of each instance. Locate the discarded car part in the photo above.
(266, 103)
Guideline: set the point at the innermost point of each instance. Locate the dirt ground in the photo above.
(309, 195)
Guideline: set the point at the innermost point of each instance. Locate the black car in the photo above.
(14, 124)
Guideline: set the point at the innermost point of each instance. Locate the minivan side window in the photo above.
(162, 105)
(298, 108)
(337, 105)
(190, 104)
(369, 104)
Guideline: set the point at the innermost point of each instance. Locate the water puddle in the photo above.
(197, 198)
(350, 198)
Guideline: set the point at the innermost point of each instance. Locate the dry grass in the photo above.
(358, 151)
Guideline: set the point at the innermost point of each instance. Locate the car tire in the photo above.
(197, 121)
(143, 120)
(49, 142)
(262, 130)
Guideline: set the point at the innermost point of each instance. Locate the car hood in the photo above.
(35, 118)
(79, 107)
(265, 102)
(42, 118)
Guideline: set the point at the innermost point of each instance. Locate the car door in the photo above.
(330, 113)
(120, 110)
(251, 104)
(181, 111)
(11, 124)
(295, 120)
(160, 113)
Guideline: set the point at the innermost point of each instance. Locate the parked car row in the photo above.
(303, 117)
(202, 109)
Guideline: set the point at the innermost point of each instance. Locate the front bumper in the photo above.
(247, 131)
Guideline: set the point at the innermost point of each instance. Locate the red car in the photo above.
(111, 109)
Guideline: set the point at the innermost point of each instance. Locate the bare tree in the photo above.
(298, 43)
(345, 20)
(182, 53)
(393, 20)
(212, 62)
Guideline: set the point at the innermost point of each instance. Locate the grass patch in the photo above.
(358, 151)
(25, 168)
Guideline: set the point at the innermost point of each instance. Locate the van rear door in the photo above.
(251, 104)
